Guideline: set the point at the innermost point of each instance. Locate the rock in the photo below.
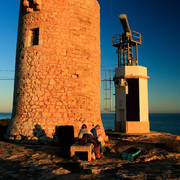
(45, 140)
(18, 138)
(113, 150)
(61, 171)
(34, 138)
(4, 122)
(178, 138)
(50, 162)
(96, 170)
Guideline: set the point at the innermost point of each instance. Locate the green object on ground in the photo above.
(130, 154)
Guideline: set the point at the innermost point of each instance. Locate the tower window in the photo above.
(34, 37)
(31, 4)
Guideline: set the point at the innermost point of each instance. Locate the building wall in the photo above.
(143, 99)
(57, 82)
(135, 103)
(120, 120)
(131, 71)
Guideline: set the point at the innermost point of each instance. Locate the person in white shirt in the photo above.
(85, 136)
(83, 131)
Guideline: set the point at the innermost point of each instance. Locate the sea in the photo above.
(169, 123)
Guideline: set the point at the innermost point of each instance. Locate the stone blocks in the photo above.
(57, 79)
(81, 148)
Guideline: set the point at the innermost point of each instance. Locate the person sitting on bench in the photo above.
(85, 136)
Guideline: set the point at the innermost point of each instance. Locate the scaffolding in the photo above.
(108, 90)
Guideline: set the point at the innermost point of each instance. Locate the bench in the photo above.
(81, 148)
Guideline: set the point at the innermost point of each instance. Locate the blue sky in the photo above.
(157, 20)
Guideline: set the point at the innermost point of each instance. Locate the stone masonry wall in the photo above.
(57, 82)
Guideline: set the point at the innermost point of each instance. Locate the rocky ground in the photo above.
(160, 159)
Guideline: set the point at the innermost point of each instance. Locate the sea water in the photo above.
(5, 115)
(169, 123)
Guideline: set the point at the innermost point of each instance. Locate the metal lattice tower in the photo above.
(108, 90)
(127, 44)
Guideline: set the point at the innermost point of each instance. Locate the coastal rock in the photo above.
(61, 171)
(52, 162)
(45, 140)
(113, 150)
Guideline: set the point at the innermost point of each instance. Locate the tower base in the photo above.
(137, 127)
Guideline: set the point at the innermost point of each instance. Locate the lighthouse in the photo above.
(131, 83)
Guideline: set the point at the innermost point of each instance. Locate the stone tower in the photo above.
(57, 77)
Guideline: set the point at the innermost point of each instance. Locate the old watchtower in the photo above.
(57, 77)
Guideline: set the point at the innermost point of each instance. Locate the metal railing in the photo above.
(133, 37)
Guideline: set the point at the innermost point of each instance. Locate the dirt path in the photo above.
(156, 161)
